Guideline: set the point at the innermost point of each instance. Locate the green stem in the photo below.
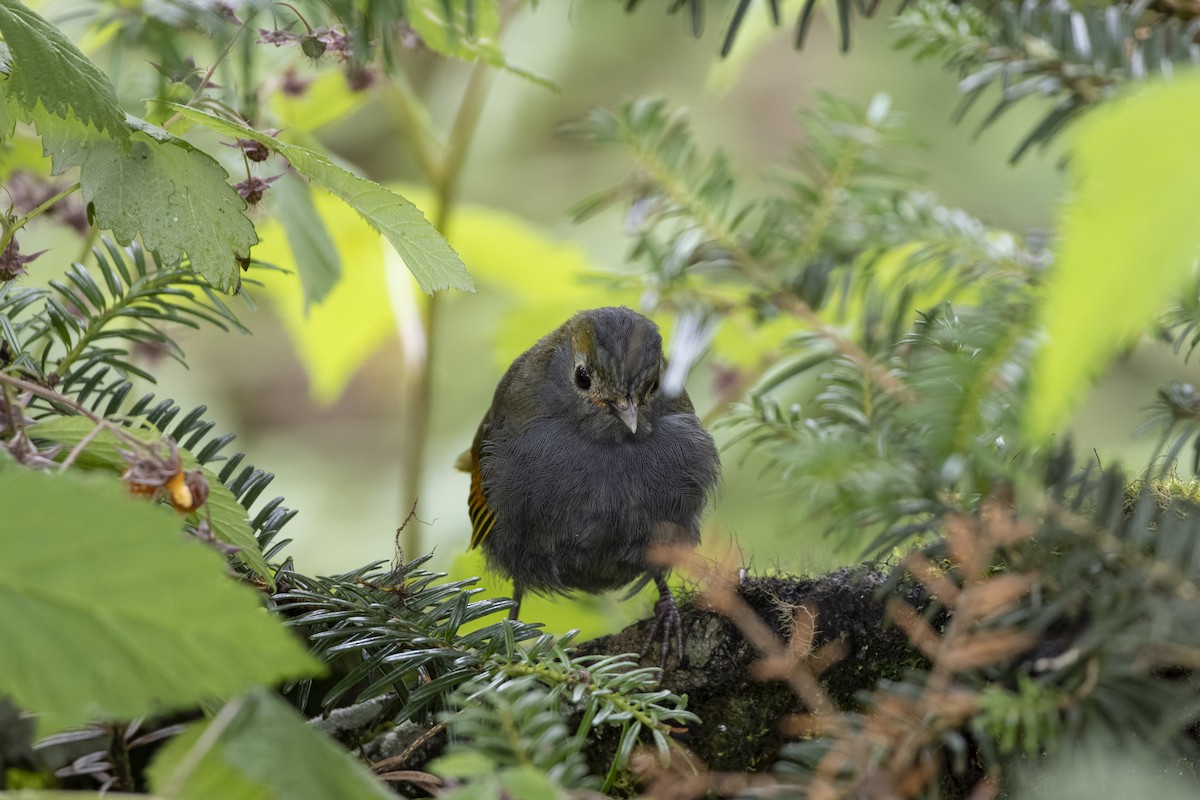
(11, 230)
(208, 75)
(96, 324)
(419, 384)
(49, 394)
(404, 102)
(10, 407)
(89, 242)
(466, 122)
(127, 439)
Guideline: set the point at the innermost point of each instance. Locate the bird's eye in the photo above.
(583, 378)
(653, 386)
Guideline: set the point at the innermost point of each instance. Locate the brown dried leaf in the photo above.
(919, 632)
(829, 654)
(1001, 527)
(931, 577)
(986, 647)
(963, 539)
(987, 600)
(802, 726)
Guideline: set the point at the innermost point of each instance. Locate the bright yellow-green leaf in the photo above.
(338, 334)
(543, 277)
(313, 251)
(592, 615)
(547, 280)
(756, 31)
(326, 100)
(742, 340)
(1129, 240)
(23, 152)
(456, 36)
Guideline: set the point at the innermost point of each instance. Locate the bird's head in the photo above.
(614, 370)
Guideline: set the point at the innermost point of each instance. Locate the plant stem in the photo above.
(11, 230)
(126, 438)
(51, 395)
(418, 379)
(208, 75)
(403, 100)
(11, 425)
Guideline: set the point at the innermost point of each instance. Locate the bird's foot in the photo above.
(668, 625)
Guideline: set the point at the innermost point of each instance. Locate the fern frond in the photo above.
(82, 329)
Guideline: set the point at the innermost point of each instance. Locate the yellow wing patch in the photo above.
(482, 517)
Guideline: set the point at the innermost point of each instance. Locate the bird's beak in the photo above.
(627, 410)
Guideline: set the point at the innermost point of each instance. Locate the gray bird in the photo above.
(582, 466)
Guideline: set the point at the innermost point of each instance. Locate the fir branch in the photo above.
(1078, 56)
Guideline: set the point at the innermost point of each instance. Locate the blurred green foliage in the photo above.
(887, 349)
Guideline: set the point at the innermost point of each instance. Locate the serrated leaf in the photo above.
(176, 198)
(424, 250)
(103, 451)
(335, 337)
(49, 71)
(1128, 243)
(258, 742)
(109, 614)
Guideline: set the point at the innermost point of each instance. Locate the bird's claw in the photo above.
(667, 624)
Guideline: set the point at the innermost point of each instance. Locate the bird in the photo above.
(583, 466)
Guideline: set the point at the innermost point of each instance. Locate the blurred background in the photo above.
(336, 452)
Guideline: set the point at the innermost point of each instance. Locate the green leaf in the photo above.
(1129, 240)
(529, 783)
(109, 614)
(463, 764)
(312, 248)
(211, 777)
(423, 248)
(230, 525)
(176, 198)
(452, 36)
(259, 747)
(103, 451)
(449, 34)
(50, 72)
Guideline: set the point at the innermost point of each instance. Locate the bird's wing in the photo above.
(483, 519)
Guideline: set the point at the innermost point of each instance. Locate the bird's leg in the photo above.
(518, 590)
(667, 623)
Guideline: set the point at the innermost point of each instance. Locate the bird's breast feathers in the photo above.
(550, 475)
